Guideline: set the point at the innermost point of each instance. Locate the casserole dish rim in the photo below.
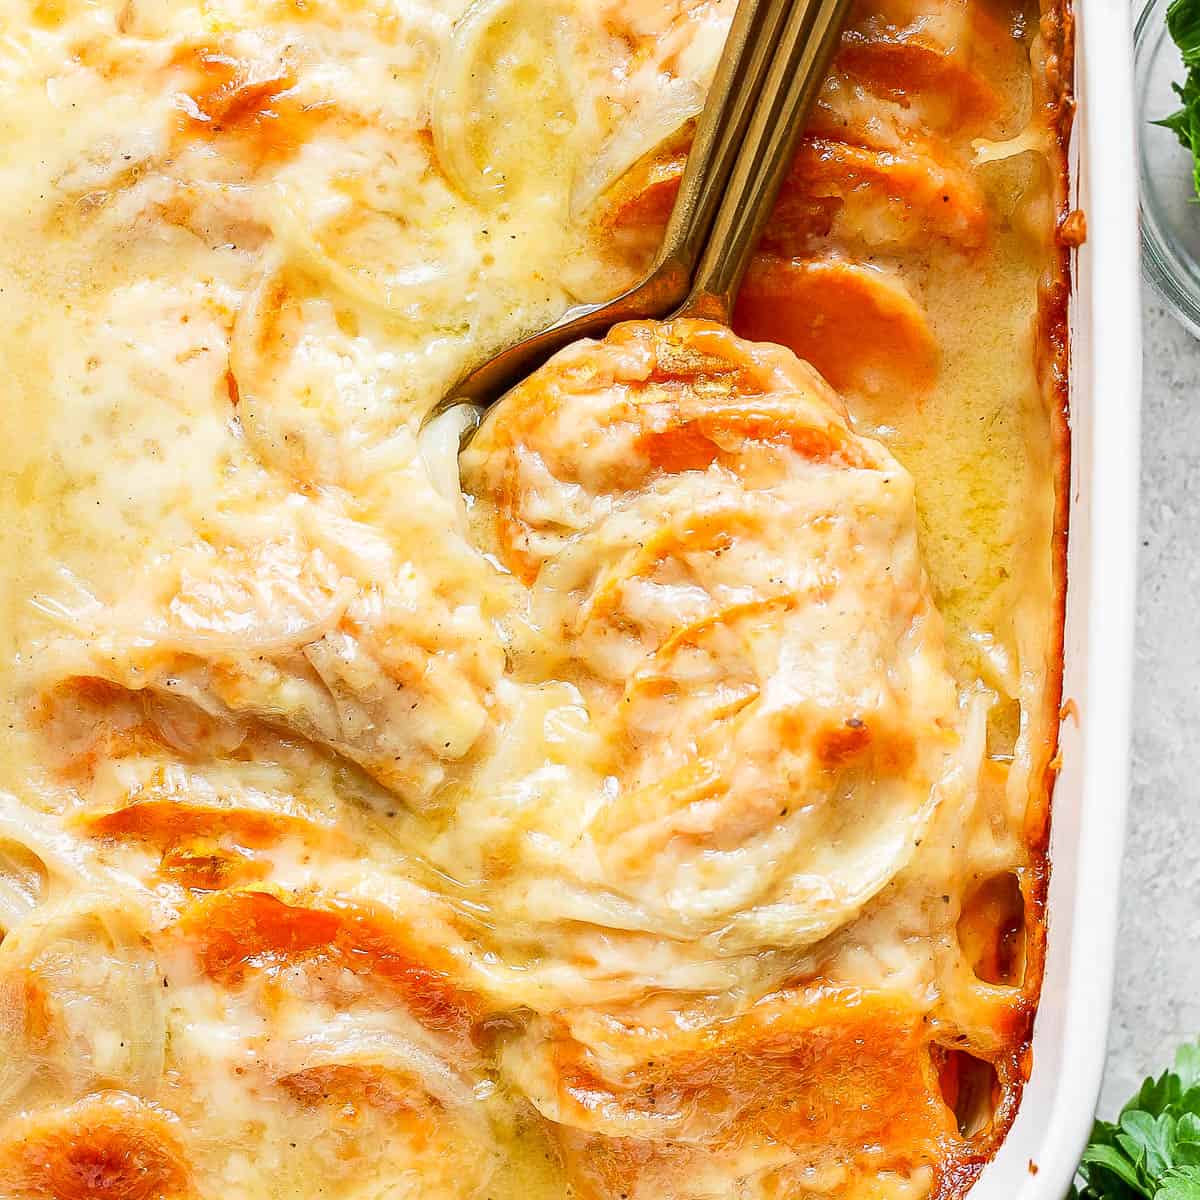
(1038, 1157)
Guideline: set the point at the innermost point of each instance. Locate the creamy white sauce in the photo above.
(246, 246)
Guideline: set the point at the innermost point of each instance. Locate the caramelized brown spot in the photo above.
(679, 361)
(839, 745)
(211, 870)
(354, 1087)
(40, 1018)
(105, 1147)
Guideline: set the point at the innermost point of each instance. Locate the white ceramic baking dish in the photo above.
(1039, 1156)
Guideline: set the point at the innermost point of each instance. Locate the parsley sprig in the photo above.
(1152, 1150)
(1183, 22)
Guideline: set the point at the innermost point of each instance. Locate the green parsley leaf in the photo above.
(1183, 21)
(1152, 1151)
(1187, 1065)
(1179, 124)
(1183, 1184)
(1113, 1161)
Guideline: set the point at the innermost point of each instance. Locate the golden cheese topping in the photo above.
(647, 803)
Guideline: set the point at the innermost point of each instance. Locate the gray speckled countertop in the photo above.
(1157, 998)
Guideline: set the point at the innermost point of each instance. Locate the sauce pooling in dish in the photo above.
(650, 805)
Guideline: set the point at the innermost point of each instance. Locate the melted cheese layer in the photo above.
(649, 803)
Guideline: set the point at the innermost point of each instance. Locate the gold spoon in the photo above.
(774, 61)
(794, 75)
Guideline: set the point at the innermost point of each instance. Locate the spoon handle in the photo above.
(750, 47)
(749, 50)
(794, 76)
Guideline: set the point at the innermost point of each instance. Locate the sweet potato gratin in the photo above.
(650, 803)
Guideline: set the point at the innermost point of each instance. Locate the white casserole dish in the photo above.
(1038, 1158)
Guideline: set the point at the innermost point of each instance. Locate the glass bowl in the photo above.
(1170, 210)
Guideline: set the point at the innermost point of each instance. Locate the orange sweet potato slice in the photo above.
(837, 1072)
(903, 68)
(202, 846)
(645, 194)
(693, 441)
(860, 327)
(235, 934)
(230, 103)
(166, 823)
(653, 400)
(904, 195)
(913, 195)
